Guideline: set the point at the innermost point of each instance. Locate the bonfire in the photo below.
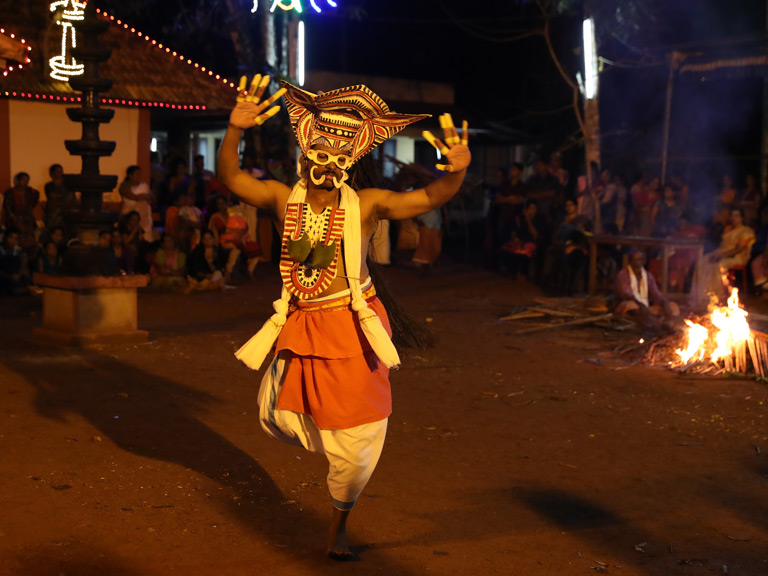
(718, 342)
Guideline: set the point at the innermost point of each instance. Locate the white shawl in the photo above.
(640, 292)
(253, 352)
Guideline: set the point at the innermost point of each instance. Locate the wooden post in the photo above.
(674, 63)
(592, 267)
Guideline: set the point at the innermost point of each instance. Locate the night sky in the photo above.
(514, 83)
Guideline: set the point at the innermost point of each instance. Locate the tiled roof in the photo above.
(145, 72)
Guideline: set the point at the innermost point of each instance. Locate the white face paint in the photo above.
(317, 181)
(320, 181)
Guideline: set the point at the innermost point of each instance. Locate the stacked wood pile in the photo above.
(556, 313)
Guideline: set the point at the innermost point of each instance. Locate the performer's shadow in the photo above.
(154, 417)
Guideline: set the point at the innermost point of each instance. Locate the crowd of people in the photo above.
(540, 226)
(183, 230)
(186, 232)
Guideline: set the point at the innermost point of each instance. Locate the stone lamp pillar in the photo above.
(91, 302)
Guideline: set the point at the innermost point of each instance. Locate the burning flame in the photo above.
(697, 338)
(733, 326)
(729, 334)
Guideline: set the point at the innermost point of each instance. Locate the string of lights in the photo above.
(27, 59)
(160, 46)
(112, 101)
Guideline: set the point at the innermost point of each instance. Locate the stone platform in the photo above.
(88, 310)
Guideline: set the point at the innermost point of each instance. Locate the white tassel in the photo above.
(253, 352)
(375, 333)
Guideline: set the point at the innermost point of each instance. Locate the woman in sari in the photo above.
(734, 251)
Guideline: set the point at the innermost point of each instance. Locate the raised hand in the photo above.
(250, 110)
(455, 148)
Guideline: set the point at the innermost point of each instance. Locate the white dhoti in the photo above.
(352, 453)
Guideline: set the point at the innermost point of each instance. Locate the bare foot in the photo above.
(337, 538)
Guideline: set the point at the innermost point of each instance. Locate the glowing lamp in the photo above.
(300, 55)
(590, 59)
(64, 66)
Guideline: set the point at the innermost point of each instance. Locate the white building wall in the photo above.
(38, 131)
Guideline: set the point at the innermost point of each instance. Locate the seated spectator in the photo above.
(644, 198)
(520, 248)
(507, 202)
(217, 221)
(168, 272)
(734, 250)
(179, 183)
(172, 215)
(612, 201)
(58, 200)
(748, 200)
(50, 260)
(199, 182)
(570, 249)
(237, 239)
(133, 238)
(557, 170)
(14, 273)
(124, 254)
(622, 197)
(188, 225)
(57, 236)
(545, 189)
(666, 213)
(638, 295)
(205, 265)
(681, 263)
(136, 197)
(18, 210)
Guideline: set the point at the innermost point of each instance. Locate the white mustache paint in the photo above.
(319, 181)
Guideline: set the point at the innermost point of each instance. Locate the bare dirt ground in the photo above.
(506, 454)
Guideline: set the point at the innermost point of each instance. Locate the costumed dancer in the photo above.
(327, 387)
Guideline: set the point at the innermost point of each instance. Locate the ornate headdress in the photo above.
(354, 119)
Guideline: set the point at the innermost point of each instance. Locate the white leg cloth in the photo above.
(352, 453)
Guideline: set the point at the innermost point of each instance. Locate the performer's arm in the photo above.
(249, 112)
(401, 205)
(260, 193)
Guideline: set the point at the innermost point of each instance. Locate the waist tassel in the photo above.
(253, 352)
(374, 332)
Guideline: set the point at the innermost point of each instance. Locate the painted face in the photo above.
(322, 158)
(327, 167)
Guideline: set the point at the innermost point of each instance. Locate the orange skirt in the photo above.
(331, 372)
